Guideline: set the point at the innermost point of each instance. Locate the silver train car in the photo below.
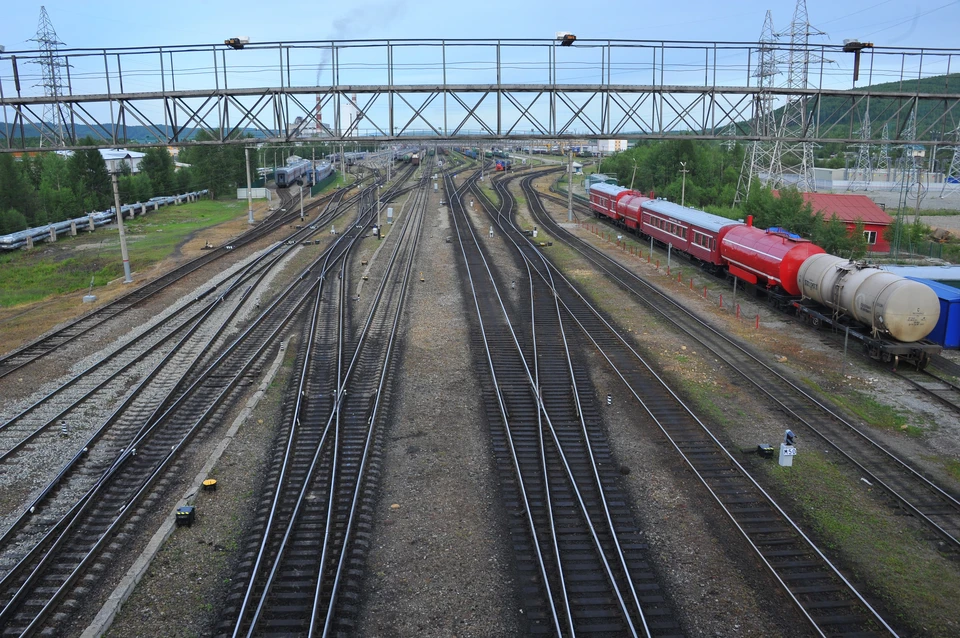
(296, 172)
(14, 241)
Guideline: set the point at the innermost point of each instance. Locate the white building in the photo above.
(612, 146)
(115, 157)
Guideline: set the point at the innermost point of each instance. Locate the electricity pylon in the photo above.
(759, 155)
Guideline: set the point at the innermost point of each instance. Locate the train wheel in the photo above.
(923, 361)
(816, 323)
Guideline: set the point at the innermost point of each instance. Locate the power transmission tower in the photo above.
(883, 159)
(910, 164)
(864, 172)
(52, 126)
(909, 184)
(951, 181)
(759, 158)
(795, 121)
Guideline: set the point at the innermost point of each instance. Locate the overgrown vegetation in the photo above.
(62, 267)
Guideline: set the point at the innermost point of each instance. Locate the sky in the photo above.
(111, 23)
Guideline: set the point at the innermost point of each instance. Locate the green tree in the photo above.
(11, 221)
(158, 166)
(219, 168)
(91, 182)
(16, 189)
(57, 198)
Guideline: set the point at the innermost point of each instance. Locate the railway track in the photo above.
(933, 384)
(306, 560)
(821, 592)
(71, 545)
(580, 556)
(933, 504)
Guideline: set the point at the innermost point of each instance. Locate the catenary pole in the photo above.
(249, 189)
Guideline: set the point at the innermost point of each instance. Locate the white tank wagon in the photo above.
(889, 304)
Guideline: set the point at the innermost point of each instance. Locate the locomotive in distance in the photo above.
(890, 315)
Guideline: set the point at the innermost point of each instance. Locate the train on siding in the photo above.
(503, 165)
(890, 315)
(298, 171)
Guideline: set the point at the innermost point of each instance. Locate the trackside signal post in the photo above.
(787, 449)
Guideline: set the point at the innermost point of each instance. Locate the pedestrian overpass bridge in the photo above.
(473, 91)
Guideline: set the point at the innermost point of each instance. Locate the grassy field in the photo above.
(69, 264)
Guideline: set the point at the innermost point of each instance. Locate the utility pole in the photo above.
(683, 184)
(127, 279)
(634, 174)
(570, 187)
(249, 188)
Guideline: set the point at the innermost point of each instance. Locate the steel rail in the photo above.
(454, 196)
(415, 218)
(584, 509)
(294, 430)
(501, 217)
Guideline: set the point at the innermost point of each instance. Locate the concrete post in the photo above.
(73, 229)
(90, 225)
(143, 208)
(53, 234)
(123, 238)
(29, 243)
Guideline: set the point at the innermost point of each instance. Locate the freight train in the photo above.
(890, 315)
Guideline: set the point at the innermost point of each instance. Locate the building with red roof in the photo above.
(851, 209)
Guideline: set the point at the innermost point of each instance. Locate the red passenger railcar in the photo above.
(604, 198)
(769, 257)
(693, 231)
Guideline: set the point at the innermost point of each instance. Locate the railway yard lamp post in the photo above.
(127, 279)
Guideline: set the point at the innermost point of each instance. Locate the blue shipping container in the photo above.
(947, 331)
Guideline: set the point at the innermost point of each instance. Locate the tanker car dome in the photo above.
(907, 310)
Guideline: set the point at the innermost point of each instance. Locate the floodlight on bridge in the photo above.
(237, 43)
(855, 47)
(565, 38)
